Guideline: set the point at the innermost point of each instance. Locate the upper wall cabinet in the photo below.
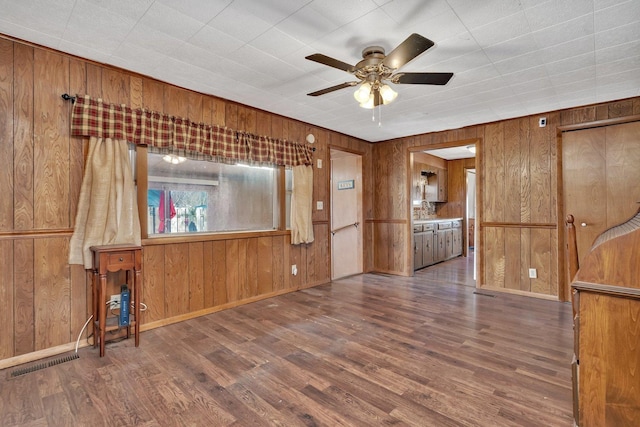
(437, 191)
(429, 183)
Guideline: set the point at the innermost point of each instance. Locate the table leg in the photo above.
(136, 308)
(102, 311)
(94, 306)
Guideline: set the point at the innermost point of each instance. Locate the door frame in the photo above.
(467, 172)
(479, 245)
(564, 285)
(361, 236)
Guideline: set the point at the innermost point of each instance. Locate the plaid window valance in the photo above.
(93, 117)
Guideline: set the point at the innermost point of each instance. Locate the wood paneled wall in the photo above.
(44, 301)
(518, 219)
(391, 238)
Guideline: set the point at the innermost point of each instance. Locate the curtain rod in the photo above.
(68, 97)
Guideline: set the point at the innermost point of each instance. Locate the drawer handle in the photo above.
(121, 259)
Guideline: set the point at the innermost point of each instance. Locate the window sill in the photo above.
(210, 237)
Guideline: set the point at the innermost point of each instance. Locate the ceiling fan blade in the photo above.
(413, 46)
(333, 88)
(331, 62)
(422, 78)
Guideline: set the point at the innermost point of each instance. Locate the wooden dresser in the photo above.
(606, 301)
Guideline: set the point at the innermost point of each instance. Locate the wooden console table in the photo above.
(113, 258)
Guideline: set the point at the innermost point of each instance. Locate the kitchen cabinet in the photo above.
(437, 186)
(445, 241)
(429, 183)
(441, 245)
(423, 245)
(448, 244)
(456, 238)
(436, 241)
(428, 246)
(418, 245)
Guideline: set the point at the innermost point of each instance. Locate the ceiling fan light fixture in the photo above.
(387, 94)
(363, 93)
(376, 68)
(173, 159)
(368, 104)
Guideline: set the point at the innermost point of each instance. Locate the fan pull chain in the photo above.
(373, 115)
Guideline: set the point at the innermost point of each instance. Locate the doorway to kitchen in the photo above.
(455, 163)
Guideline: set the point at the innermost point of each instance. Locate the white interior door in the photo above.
(346, 214)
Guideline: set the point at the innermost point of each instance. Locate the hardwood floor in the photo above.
(458, 271)
(368, 350)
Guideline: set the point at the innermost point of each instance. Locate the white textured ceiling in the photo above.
(510, 57)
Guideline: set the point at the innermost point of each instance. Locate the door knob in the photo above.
(584, 224)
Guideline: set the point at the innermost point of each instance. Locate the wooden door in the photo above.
(346, 214)
(601, 178)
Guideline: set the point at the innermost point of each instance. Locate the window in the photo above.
(187, 195)
(180, 211)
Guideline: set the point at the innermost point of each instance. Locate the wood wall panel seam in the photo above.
(35, 234)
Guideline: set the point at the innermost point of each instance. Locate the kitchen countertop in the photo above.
(426, 221)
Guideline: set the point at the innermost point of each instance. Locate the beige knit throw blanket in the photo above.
(107, 208)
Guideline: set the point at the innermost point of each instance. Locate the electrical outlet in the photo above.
(294, 269)
(114, 302)
(533, 273)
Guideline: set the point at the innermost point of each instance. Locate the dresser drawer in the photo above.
(120, 260)
(429, 226)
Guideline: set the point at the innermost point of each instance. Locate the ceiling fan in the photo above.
(376, 68)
